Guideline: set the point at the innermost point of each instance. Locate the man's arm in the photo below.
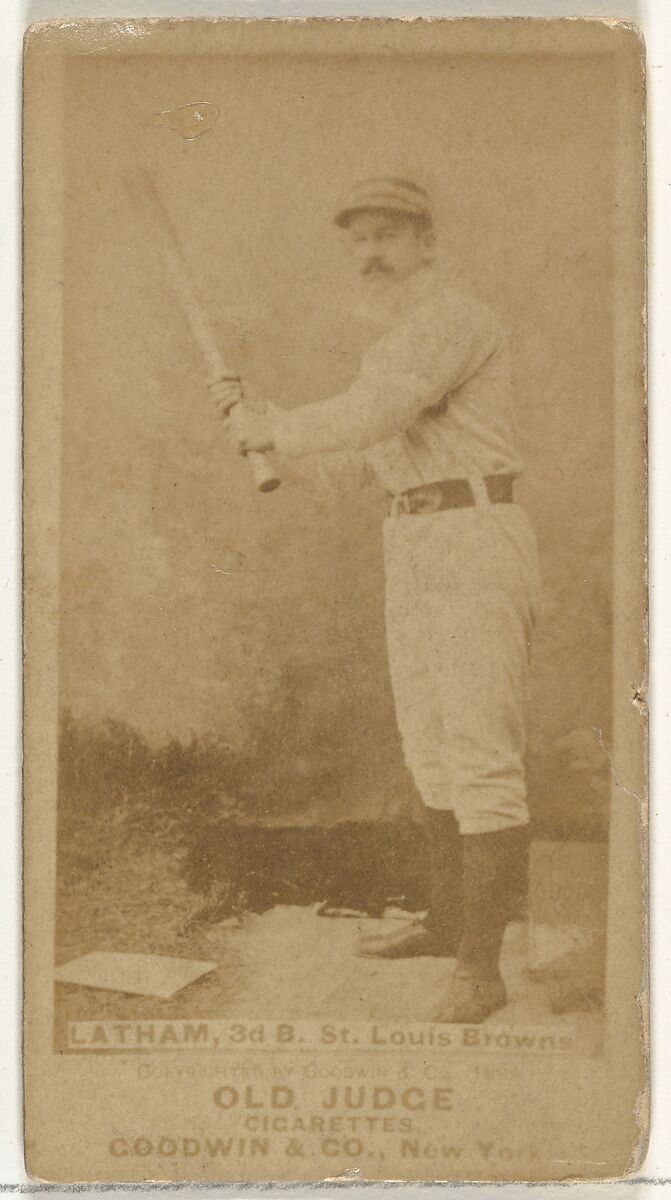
(436, 349)
(339, 471)
(412, 367)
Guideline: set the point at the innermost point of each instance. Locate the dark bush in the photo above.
(245, 827)
(205, 805)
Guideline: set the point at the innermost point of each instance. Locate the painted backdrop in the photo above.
(193, 606)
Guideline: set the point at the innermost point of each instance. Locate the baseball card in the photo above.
(335, 600)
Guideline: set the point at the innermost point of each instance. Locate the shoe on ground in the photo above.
(471, 999)
(412, 941)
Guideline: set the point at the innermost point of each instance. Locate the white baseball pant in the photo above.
(461, 593)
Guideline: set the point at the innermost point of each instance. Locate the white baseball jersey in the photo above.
(432, 399)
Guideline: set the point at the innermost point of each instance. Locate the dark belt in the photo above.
(453, 493)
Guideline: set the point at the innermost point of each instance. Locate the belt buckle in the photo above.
(402, 504)
(428, 499)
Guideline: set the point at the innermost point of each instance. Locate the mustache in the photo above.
(376, 264)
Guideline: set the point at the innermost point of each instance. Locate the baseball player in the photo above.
(429, 417)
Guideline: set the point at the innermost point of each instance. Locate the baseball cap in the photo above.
(388, 194)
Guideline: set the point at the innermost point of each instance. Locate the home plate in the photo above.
(139, 974)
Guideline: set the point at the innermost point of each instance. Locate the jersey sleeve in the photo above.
(430, 353)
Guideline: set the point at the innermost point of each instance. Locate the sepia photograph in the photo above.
(334, 500)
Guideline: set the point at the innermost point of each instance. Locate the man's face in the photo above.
(387, 247)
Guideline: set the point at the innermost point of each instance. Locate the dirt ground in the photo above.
(291, 962)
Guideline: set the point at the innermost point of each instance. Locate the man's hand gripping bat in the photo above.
(265, 478)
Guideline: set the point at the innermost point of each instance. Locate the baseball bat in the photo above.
(265, 478)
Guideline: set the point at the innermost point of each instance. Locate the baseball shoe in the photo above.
(471, 999)
(410, 942)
